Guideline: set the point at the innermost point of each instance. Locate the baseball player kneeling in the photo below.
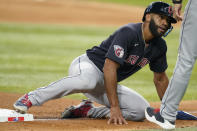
(97, 72)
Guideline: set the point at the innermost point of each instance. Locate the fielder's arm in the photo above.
(110, 78)
(161, 83)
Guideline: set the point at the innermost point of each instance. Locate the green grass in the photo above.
(33, 56)
(142, 3)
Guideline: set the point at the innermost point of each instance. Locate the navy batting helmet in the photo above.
(160, 8)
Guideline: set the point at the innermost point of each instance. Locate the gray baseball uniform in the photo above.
(185, 62)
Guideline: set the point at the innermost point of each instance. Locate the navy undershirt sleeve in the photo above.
(160, 63)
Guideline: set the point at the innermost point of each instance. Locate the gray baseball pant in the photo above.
(85, 77)
(185, 62)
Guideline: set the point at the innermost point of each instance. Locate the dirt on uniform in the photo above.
(80, 13)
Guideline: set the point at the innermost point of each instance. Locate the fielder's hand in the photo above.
(177, 12)
(116, 116)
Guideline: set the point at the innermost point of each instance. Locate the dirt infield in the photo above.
(52, 110)
(71, 12)
(67, 12)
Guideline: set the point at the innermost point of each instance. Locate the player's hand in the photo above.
(177, 12)
(116, 117)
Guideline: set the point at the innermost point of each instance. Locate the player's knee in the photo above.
(184, 67)
(138, 114)
(135, 116)
(186, 63)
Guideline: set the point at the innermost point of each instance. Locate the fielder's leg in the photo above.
(184, 65)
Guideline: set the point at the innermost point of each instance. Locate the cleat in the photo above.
(182, 115)
(154, 116)
(78, 111)
(22, 104)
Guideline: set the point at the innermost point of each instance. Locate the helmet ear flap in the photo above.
(143, 18)
(147, 10)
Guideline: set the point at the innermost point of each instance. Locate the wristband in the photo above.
(177, 1)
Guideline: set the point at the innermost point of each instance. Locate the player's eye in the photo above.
(162, 17)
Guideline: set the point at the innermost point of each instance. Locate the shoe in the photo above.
(182, 115)
(78, 111)
(154, 116)
(22, 104)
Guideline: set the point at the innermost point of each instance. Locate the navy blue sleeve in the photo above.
(160, 64)
(118, 48)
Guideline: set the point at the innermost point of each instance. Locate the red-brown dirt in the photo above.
(71, 12)
(67, 12)
(52, 110)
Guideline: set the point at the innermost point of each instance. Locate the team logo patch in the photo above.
(119, 51)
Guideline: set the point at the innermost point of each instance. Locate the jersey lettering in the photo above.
(143, 62)
(132, 59)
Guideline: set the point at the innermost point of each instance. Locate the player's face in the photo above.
(158, 25)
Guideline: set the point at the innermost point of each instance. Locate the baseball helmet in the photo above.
(160, 8)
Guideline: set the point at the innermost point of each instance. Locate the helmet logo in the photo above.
(170, 10)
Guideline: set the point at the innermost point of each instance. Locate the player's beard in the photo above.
(154, 29)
